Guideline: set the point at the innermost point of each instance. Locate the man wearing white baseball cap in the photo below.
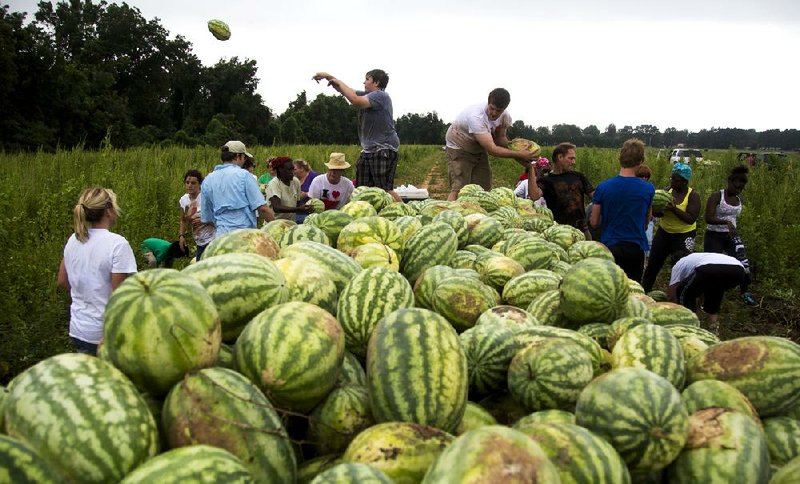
(231, 195)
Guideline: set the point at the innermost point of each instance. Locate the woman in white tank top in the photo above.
(722, 213)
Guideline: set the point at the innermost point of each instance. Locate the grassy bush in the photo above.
(38, 191)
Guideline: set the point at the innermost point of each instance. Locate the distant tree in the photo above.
(521, 130)
(426, 129)
(567, 132)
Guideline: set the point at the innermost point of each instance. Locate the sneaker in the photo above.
(749, 299)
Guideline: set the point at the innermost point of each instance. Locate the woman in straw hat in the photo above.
(95, 262)
(333, 189)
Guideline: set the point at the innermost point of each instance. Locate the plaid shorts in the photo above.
(376, 169)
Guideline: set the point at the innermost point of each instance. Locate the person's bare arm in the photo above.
(534, 192)
(501, 136)
(594, 217)
(62, 280)
(345, 90)
(266, 213)
(672, 292)
(487, 142)
(692, 209)
(117, 278)
(279, 207)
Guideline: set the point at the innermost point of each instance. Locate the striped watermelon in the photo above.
(158, 325)
(367, 230)
(544, 416)
(341, 268)
(352, 371)
(19, 463)
(663, 313)
(563, 235)
(597, 331)
(61, 409)
(395, 210)
(713, 393)
(783, 439)
(358, 209)
(402, 451)
(549, 373)
(723, 446)
(427, 283)
(579, 455)
(308, 470)
(241, 286)
(532, 253)
(537, 223)
(593, 291)
(220, 407)
(252, 241)
(764, 368)
(635, 287)
(483, 230)
(683, 330)
(431, 210)
(788, 474)
(588, 248)
(660, 200)
(505, 196)
(636, 307)
(376, 255)
(196, 463)
(509, 317)
(521, 290)
(508, 217)
(293, 352)
(339, 418)
(621, 326)
(434, 244)
(468, 190)
(461, 300)
(653, 348)
(375, 196)
(458, 224)
(463, 259)
(536, 333)
(646, 422)
(560, 252)
(316, 204)
(408, 226)
(561, 268)
(546, 308)
(489, 350)
(331, 222)
(658, 296)
(497, 271)
(475, 416)
(306, 282)
(492, 454)
(303, 232)
(226, 357)
(278, 227)
(353, 473)
(417, 370)
(371, 295)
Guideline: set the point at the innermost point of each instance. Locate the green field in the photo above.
(38, 191)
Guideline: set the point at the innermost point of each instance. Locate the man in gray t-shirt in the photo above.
(379, 142)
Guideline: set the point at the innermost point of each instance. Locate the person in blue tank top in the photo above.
(621, 206)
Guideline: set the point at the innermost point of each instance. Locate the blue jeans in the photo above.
(84, 347)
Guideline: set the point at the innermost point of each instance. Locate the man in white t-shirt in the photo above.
(477, 132)
(704, 274)
(333, 189)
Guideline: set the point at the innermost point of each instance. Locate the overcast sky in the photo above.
(689, 64)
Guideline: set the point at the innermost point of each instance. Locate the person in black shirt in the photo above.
(565, 190)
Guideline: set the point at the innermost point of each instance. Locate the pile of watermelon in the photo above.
(466, 341)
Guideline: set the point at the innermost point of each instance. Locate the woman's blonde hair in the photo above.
(302, 164)
(91, 208)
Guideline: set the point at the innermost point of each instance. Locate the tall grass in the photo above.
(38, 191)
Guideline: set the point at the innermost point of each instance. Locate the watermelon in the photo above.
(621, 326)
(646, 423)
(530, 335)
(653, 348)
(196, 463)
(469, 190)
(546, 308)
(243, 240)
(497, 271)
(241, 286)
(635, 287)
(683, 330)
(521, 290)
(723, 446)
(431, 210)
(457, 222)
(561, 268)
(354, 473)
(293, 352)
(402, 451)
(461, 300)
(510, 317)
(375, 196)
(331, 222)
(658, 296)
(427, 282)
(578, 454)
(503, 408)
(352, 371)
(340, 267)
(308, 470)
(278, 227)
(492, 454)
(788, 474)
(660, 201)
(475, 416)
(316, 204)
(158, 325)
(367, 230)
(395, 210)
(663, 313)
(307, 282)
(19, 463)
(713, 393)
(219, 29)
(593, 291)
(505, 196)
(372, 294)
(220, 407)
(408, 226)
(508, 217)
(226, 357)
(339, 418)
(489, 350)
(549, 374)
(783, 439)
(358, 209)
(588, 248)
(537, 223)
(374, 254)
(597, 331)
(61, 409)
(563, 235)
(483, 230)
(532, 253)
(636, 307)
(433, 244)
(544, 416)
(417, 370)
(763, 368)
(303, 232)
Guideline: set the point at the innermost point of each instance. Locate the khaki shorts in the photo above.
(464, 168)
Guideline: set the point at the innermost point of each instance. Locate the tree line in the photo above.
(100, 74)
